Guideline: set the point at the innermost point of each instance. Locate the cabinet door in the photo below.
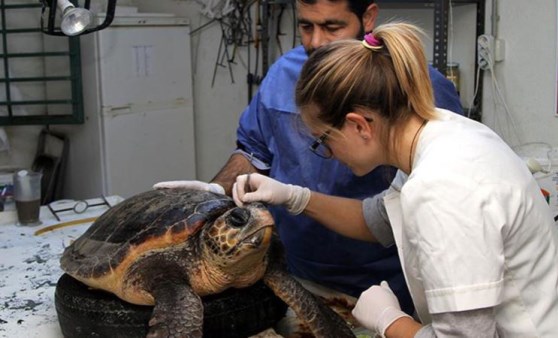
(142, 148)
(147, 109)
(145, 64)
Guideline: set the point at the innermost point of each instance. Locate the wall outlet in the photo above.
(485, 51)
(499, 50)
(489, 51)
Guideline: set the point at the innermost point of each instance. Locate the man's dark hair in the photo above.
(356, 6)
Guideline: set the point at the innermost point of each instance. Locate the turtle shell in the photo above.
(138, 220)
(153, 221)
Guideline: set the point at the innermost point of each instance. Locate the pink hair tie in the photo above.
(371, 42)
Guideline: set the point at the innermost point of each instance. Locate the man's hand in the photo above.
(196, 185)
(256, 187)
(377, 308)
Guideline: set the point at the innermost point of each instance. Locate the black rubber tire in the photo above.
(235, 313)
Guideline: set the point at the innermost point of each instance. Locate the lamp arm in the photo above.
(63, 5)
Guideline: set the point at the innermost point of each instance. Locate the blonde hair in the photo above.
(392, 80)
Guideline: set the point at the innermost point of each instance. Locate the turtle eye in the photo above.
(239, 217)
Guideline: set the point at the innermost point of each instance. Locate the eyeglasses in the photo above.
(319, 147)
(77, 207)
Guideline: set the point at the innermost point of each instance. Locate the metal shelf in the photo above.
(54, 98)
(440, 39)
(441, 14)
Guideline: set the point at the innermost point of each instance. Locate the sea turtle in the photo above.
(169, 247)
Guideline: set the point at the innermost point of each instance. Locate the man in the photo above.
(271, 141)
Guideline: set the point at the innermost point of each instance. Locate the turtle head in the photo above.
(238, 240)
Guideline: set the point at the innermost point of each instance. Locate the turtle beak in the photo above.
(259, 237)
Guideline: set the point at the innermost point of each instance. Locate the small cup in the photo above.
(27, 196)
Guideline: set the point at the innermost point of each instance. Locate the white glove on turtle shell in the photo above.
(196, 185)
(257, 187)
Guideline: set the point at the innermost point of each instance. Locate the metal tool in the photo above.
(247, 187)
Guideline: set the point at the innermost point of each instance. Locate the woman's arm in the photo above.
(464, 324)
(339, 214)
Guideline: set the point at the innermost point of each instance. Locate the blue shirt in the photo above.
(272, 135)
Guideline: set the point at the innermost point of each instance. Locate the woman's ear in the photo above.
(361, 125)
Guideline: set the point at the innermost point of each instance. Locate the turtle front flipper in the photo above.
(178, 311)
(321, 320)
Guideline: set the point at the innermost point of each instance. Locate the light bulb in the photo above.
(74, 20)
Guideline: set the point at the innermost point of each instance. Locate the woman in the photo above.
(476, 239)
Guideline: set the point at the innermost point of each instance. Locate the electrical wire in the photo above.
(278, 31)
(509, 119)
(509, 125)
(237, 30)
(471, 102)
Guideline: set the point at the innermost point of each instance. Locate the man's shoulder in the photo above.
(437, 78)
(445, 93)
(291, 62)
(277, 89)
(296, 56)
(435, 73)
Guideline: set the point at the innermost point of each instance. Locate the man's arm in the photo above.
(222, 183)
(236, 165)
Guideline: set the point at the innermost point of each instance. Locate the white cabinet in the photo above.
(139, 128)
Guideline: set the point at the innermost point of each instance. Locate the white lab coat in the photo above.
(474, 231)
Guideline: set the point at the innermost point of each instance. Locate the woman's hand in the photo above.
(377, 308)
(260, 188)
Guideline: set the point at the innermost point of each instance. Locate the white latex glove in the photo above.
(196, 185)
(377, 308)
(265, 189)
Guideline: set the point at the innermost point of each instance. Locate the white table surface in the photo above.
(29, 270)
